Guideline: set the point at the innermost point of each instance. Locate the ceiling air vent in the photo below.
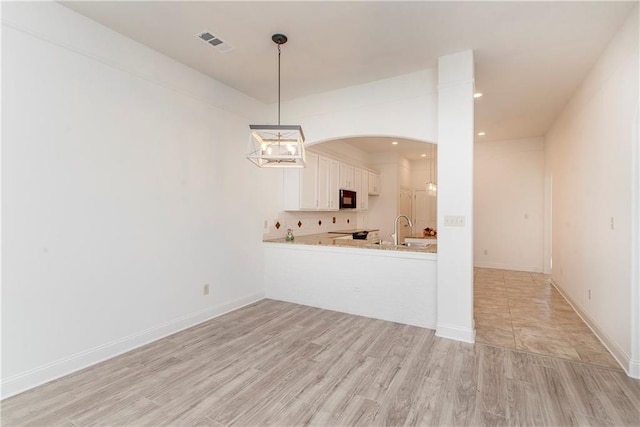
(214, 41)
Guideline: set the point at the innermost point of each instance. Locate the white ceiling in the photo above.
(530, 56)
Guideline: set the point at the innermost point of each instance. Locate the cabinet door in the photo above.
(323, 183)
(334, 184)
(363, 192)
(343, 176)
(351, 178)
(308, 183)
(346, 177)
(374, 184)
(357, 186)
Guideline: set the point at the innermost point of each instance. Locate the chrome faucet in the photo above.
(395, 228)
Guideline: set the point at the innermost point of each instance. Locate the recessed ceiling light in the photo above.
(477, 94)
(423, 155)
(394, 143)
(481, 134)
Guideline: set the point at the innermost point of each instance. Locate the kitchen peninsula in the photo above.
(382, 281)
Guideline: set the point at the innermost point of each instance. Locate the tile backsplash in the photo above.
(303, 223)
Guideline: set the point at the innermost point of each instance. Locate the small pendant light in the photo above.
(432, 187)
(277, 146)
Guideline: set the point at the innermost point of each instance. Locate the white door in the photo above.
(405, 209)
(420, 209)
(424, 210)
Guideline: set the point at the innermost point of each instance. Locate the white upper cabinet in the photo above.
(347, 177)
(363, 192)
(361, 180)
(374, 184)
(328, 193)
(323, 183)
(300, 191)
(334, 185)
(317, 186)
(357, 183)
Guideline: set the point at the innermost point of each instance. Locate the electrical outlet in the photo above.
(486, 252)
(613, 223)
(266, 224)
(589, 293)
(205, 289)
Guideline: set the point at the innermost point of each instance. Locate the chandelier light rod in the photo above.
(279, 39)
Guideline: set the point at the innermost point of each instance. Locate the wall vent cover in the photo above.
(214, 41)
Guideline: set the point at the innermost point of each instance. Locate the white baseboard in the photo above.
(51, 371)
(457, 333)
(618, 353)
(502, 266)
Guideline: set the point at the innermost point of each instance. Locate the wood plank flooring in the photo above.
(521, 310)
(276, 363)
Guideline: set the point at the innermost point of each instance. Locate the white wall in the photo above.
(589, 153)
(125, 189)
(421, 173)
(509, 204)
(404, 168)
(455, 196)
(384, 208)
(403, 106)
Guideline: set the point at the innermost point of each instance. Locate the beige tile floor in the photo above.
(522, 310)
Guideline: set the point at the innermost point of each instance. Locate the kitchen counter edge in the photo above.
(329, 241)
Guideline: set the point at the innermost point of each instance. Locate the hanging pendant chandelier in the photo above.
(432, 187)
(277, 146)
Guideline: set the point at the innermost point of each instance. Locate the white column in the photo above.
(634, 363)
(455, 197)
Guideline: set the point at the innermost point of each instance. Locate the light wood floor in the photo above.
(275, 363)
(521, 310)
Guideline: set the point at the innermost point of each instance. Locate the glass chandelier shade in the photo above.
(277, 146)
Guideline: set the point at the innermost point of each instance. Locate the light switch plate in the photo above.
(453, 221)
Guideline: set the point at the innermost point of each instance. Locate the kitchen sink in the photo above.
(415, 244)
(418, 243)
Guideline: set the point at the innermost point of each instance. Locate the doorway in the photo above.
(424, 210)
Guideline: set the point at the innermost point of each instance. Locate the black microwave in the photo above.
(347, 199)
